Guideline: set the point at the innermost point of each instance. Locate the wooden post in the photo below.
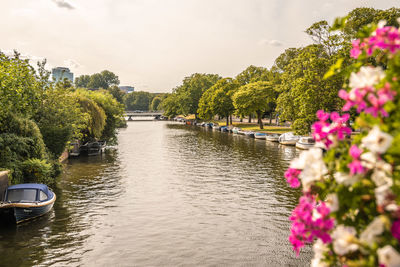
(3, 183)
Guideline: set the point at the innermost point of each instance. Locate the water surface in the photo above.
(167, 195)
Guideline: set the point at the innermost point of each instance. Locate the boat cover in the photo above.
(42, 187)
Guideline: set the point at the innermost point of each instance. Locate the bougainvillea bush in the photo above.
(350, 208)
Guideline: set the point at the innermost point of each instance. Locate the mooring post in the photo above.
(3, 183)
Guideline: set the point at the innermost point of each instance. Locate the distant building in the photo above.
(60, 73)
(127, 89)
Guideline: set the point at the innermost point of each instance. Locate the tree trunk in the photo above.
(241, 119)
(259, 115)
(250, 118)
(230, 117)
(270, 118)
(227, 120)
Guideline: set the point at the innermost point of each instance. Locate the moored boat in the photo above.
(288, 139)
(305, 142)
(241, 132)
(273, 137)
(224, 129)
(249, 134)
(236, 130)
(261, 136)
(74, 149)
(216, 127)
(25, 202)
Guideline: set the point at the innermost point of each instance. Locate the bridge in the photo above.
(131, 114)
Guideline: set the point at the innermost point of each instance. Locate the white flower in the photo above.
(343, 178)
(332, 202)
(319, 249)
(381, 178)
(367, 76)
(382, 23)
(388, 256)
(381, 194)
(343, 237)
(374, 229)
(377, 141)
(368, 160)
(313, 166)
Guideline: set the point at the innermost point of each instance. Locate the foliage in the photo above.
(155, 103)
(138, 101)
(170, 106)
(114, 112)
(252, 74)
(191, 90)
(36, 171)
(218, 99)
(254, 98)
(82, 81)
(104, 79)
(352, 186)
(117, 93)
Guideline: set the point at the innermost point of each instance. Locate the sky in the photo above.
(154, 44)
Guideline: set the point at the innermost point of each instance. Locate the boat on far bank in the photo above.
(273, 137)
(305, 142)
(236, 130)
(93, 148)
(224, 129)
(249, 134)
(288, 139)
(260, 136)
(25, 202)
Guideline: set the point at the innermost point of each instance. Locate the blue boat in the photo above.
(25, 201)
(224, 129)
(260, 136)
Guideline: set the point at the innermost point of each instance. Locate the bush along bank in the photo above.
(39, 118)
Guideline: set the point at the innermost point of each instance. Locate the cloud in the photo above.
(270, 42)
(63, 4)
(72, 64)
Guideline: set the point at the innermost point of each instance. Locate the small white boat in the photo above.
(236, 130)
(260, 136)
(288, 139)
(273, 137)
(305, 142)
(216, 127)
(249, 134)
(241, 132)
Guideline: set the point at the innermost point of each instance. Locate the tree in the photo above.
(138, 101)
(82, 81)
(155, 103)
(170, 106)
(218, 100)
(254, 98)
(252, 74)
(190, 92)
(117, 93)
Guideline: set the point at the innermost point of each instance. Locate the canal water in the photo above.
(167, 195)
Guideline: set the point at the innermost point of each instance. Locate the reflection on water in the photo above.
(168, 195)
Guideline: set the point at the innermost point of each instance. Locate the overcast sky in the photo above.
(154, 44)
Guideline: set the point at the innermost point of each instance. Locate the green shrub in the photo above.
(36, 170)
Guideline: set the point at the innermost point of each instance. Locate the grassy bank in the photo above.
(256, 128)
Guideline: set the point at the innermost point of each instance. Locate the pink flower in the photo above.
(325, 132)
(310, 220)
(355, 166)
(292, 177)
(396, 229)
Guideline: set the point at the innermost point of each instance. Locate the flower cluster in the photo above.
(386, 39)
(349, 207)
(329, 133)
(310, 220)
(363, 94)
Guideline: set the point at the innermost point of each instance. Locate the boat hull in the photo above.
(260, 137)
(304, 146)
(288, 142)
(273, 139)
(15, 213)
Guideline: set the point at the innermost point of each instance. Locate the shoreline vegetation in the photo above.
(300, 82)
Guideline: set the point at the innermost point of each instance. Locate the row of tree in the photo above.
(300, 82)
(39, 118)
(109, 81)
